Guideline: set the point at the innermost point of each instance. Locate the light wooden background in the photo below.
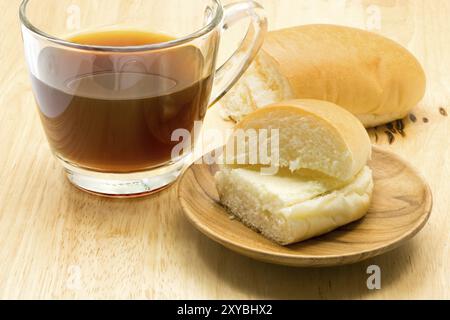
(57, 242)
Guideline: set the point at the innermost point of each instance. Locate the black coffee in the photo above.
(116, 112)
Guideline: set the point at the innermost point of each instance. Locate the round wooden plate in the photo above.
(400, 208)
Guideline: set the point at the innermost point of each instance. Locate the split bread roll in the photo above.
(258, 201)
(323, 181)
(313, 135)
(373, 77)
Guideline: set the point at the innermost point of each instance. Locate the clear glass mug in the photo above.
(109, 111)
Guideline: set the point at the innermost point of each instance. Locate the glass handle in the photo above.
(232, 70)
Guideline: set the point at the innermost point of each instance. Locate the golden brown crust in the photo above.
(369, 75)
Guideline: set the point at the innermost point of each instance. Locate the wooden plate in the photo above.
(401, 206)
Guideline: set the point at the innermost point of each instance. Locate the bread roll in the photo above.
(371, 76)
(290, 209)
(313, 135)
(323, 181)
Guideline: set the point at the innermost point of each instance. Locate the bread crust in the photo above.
(369, 75)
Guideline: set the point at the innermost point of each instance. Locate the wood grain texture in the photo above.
(57, 242)
(401, 206)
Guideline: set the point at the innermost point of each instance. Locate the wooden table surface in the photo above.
(58, 242)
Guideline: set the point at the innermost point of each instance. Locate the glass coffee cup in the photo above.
(113, 79)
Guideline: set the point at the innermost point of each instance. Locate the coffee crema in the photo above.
(116, 111)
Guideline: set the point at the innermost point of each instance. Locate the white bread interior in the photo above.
(322, 182)
(371, 76)
(313, 135)
(290, 209)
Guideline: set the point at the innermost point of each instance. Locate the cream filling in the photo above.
(286, 192)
